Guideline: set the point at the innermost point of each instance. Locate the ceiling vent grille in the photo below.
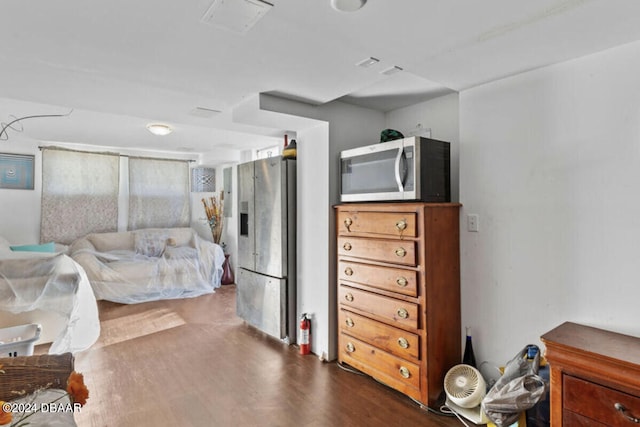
(236, 15)
(204, 112)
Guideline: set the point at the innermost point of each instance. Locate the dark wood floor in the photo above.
(192, 362)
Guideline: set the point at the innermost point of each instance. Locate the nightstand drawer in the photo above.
(392, 251)
(397, 341)
(391, 370)
(396, 312)
(388, 278)
(392, 224)
(570, 419)
(598, 402)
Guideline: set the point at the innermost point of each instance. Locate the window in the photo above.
(79, 194)
(158, 193)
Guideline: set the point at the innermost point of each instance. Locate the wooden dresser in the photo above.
(595, 376)
(399, 293)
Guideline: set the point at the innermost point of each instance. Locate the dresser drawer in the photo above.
(598, 402)
(397, 341)
(388, 278)
(391, 370)
(389, 304)
(392, 251)
(393, 224)
(397, 312)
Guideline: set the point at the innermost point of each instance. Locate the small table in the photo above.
(595, 376)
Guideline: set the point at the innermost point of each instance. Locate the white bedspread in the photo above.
(52, 283)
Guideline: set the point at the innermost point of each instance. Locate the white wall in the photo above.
(20, 209)
(199, 220)
(349, 127)
(313, 253)
(550, 160)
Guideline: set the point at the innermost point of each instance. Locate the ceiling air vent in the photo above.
(204, 112)
(236, 15)
(391, 71)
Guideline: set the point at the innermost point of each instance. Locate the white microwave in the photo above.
(414, 168)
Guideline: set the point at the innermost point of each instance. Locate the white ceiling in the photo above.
(121, 64)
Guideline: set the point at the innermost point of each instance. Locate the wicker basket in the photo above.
(26, 374)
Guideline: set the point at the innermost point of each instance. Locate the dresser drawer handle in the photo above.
(401, 225)
(404, 372)
(402, 313)
(349, 297)
(347, 223)
(347, 246)
(402, 281)
(350, 347)
(349, 322)
(620, 408)
(402, 342)
(401, 252)
(348, 271)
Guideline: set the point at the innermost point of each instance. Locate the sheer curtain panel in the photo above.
(79, 194)
(158, 193)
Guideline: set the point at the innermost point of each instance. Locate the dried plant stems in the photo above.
(213, 209)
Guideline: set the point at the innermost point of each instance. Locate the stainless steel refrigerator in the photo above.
(266, 279)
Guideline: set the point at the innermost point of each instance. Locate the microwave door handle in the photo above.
(398, 177)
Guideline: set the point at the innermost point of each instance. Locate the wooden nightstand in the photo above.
(595, 376)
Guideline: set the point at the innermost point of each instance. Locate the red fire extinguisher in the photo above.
(305, 334)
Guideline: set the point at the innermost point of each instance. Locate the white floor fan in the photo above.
(465, 388)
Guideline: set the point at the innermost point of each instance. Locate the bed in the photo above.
(52, 290)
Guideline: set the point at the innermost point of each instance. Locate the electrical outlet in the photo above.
(473, 222)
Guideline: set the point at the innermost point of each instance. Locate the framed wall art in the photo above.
(16, 171)
(203, 180)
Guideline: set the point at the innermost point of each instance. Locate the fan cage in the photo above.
(464, 385)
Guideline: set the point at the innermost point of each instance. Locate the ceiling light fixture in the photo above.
(347, 5)
(368, 62)
(159, 129)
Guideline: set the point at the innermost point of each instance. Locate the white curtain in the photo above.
(158, 193)
(79, 194)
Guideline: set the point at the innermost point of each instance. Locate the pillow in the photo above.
(180, 252)
(45, 247)
(150, 243)
(61, 249)
(111, 241)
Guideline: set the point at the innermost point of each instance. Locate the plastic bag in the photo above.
(518, 389)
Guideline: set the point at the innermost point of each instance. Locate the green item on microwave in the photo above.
(390, 135)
